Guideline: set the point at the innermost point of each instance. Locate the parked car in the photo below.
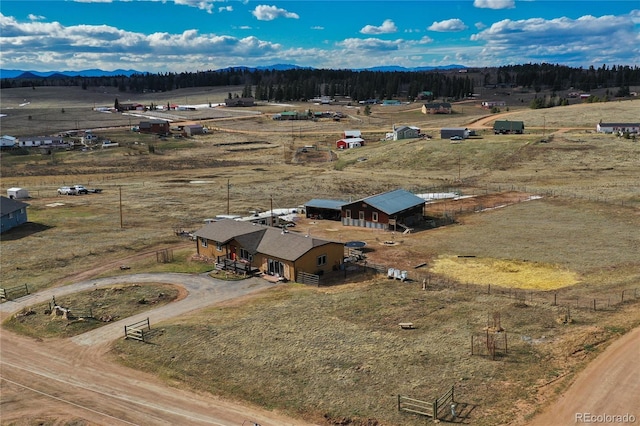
(67, 190)
(80, 189)
(456, 138)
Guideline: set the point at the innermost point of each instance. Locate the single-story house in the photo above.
(387, 102)
(425, 94)
(491, 104)
(384, 211)
(351, 134)
(31, 141)
(157, 126)
(17, 193)
(405, 132)
(13, 213)
(273, 251)
(436, 108)
(449, 132)
(349, 143)
(240, 102)
(8, 142)
(130, 107)
(501, 127)
(618, 127)
(324, 209)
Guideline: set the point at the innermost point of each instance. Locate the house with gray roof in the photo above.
(13, 213)
(276, 252)
(393, 210)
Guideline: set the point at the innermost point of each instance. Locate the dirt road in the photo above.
(71, 379)
(609, 386)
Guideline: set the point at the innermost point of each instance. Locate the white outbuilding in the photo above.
(17, 193)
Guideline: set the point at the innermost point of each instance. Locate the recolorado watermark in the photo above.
(605, 418)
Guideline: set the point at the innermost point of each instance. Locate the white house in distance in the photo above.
(7, 141)
(618, 127)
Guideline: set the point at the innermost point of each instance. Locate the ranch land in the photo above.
(542, 244)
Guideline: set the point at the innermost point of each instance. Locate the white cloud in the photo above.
(387, 27)
(51, 46)
(449, 25)
(480, 25)
(317, 27)
(33, 17)
(369, 44)
(587, 39)
(425, 40)
(269, 13)
(494, 4)
(225, 9)
(206, 5)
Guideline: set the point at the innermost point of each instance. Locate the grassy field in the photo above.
(336, 354)
(90, 310)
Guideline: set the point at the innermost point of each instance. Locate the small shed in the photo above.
(17, 193)
(193, 129)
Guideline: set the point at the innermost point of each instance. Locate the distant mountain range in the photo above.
(278, 67)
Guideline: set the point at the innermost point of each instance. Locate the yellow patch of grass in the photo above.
(505, 273)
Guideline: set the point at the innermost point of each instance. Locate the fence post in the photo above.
(398, 402)
(594, 304)
(555, 299)
(622, 298)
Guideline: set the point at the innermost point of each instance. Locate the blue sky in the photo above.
(192, 35)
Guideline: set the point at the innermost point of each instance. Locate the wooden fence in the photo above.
(14, 292)
(308, 279)
(137, 330)
(435, 409)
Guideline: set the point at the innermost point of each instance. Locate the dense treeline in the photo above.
(306, 83)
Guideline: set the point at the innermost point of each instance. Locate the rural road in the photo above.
(70, 379)
(609, 386)
(67, 379)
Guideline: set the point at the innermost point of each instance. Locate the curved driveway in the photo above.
(71, 378)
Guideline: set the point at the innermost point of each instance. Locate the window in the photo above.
(275, 267)
(361, 215)
(348, 214)
(245, 255)
(203, 242)
(218, 246)
(374, 216)
(10, 215)
(322, 260)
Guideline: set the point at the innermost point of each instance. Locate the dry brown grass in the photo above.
(319, 350)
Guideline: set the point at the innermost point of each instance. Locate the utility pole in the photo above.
(272, 222)
(121, 223)
(228, 194)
